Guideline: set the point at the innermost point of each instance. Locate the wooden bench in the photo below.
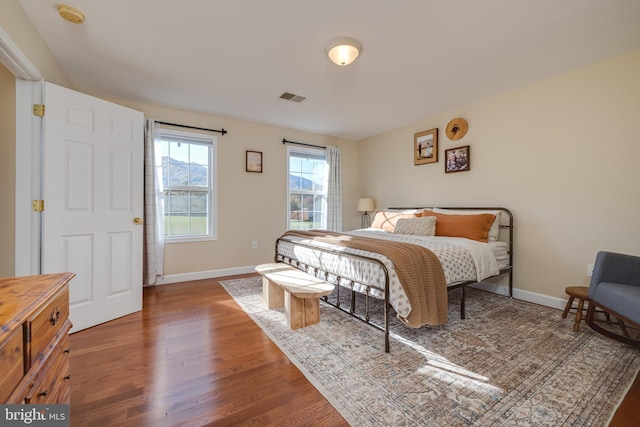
(298, 291)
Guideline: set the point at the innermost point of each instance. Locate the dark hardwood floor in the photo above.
(193, 357)
(628, 414)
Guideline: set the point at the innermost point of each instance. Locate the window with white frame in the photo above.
(188, 178)
(307, 190)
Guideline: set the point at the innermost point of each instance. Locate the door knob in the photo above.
(138, 221)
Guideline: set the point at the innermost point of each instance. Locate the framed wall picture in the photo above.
(425, 147)
(254, 161)
(457, 159)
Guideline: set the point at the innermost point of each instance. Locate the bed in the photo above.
(409, 258)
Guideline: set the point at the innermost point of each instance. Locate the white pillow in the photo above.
(421, 226)
(494, 231)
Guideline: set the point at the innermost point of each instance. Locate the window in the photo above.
(188, 179)
(307, 191)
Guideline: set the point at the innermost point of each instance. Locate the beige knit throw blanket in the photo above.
(418, 270)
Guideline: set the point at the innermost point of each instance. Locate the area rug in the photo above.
(509, 363)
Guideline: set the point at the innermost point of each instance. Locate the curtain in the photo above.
(334, 189)
(153, 255)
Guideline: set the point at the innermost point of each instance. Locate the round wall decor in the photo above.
(457, 128)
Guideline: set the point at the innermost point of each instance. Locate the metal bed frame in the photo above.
(337, 279)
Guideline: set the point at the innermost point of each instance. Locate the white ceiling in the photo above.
(234, 58)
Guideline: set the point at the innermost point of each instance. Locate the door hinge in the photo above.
(37, 205)
(38, 110)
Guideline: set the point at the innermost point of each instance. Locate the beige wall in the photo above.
(15, 22)
(251, 206)
(562, 154)
(20, 29)
(7, 171)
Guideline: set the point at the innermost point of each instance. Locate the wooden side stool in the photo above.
(580, 292)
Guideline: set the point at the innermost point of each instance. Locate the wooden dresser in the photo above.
(34, 339)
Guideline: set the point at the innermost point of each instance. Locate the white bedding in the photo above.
(500, 250)
(462, 260)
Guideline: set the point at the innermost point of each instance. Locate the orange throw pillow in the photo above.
(474, 227)
(387, 220)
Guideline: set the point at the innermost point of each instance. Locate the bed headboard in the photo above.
(506, 217)
(506, 226)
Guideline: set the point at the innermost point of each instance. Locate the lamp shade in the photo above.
(365, 205)
(343, 51)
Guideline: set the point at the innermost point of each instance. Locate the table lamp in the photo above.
(365, 205)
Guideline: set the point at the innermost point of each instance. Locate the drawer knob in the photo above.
(43, 393)
(55, 316)
(67, 377)
(67, 351)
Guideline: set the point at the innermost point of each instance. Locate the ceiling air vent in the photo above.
(292, 97)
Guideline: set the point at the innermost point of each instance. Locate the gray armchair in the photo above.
(615, 289)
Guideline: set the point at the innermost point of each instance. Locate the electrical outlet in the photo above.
(254, 244)
(589, 270)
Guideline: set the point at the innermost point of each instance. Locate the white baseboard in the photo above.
(553, 302)
(498, 288)
(495, 288)
(528, 296)
(200, 275)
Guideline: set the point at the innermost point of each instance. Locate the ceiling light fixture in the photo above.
(343, 51)
(71, 14)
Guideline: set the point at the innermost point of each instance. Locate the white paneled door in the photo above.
(93, 195)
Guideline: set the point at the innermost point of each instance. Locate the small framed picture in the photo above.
(425, 147)
(254, 161)
(457, 159)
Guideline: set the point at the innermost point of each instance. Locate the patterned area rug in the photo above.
(510, 363)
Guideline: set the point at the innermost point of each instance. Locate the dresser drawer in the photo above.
(52, 385)
(11, 364)
(34, 338)
(47, 322)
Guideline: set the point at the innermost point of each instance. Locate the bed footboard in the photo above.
(340, 280)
